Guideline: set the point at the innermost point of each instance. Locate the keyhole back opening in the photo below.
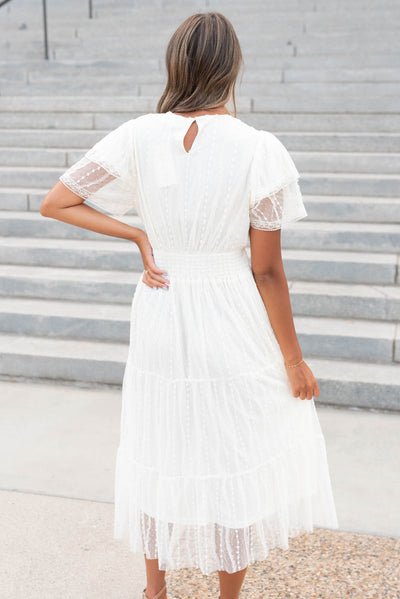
(190, 136)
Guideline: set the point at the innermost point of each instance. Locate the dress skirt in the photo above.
(218, 463)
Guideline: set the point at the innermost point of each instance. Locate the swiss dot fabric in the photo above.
(217, 463)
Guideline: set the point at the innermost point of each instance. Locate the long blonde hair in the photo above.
(203, 60)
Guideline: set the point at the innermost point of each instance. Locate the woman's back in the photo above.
(201, 200)
(196, 200)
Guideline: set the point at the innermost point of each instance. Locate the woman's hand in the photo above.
(152, 275)
(303, 382)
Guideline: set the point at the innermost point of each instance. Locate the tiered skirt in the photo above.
(218, 463)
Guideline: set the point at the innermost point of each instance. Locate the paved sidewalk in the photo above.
(57, 452)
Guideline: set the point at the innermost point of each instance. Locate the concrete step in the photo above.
(274, 26)
(119, 50)
(84, 285)
(296, 121)
(345, 300)
(303, 234)
(299, 120)
(25, 156)
(283, 29)
(65, 319)
(309, 298)
(19, 223)
(21, 198)
(145, 8)
(319, 208)
(151, 70)
(364, 340)
(93, 363)
(361, 75)
(28, 62)
(49, 139)
(309, 265)
(312, 162)
(352, 209)
(325, 141)
(138, 104)
(330, 208)
(89, 123)
(358, 384)
(370, 97)
(338, 162)
(301, 98)
(341, 267)
(340, 338)
(347, 184)
(41, 358)
(324, 183)
(273, 120)
(326, 235)
(83, 253)
(259, 63)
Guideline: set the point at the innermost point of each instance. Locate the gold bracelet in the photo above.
(293, 365)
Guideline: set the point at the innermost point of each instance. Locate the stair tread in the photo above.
(353, 371)
(332, 369)
(121, 276)
(302, 224)
(115, 245)
(300, 153)
(63, 348)
(349, 289)
(37, 306)
(111, 311)
(71, 274)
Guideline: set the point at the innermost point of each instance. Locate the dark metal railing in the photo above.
(45, 39)
(45, 36)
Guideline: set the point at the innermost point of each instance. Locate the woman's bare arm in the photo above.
(270, 278)
(63, 204)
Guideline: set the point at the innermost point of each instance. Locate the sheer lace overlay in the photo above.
(106, 174)
(86, 177)
(275, 195)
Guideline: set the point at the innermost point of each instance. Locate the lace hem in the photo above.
(277, 209)
(99, 183)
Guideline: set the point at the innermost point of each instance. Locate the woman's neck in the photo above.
(220, 110)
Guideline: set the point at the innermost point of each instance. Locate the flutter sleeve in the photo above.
(275, 195)
(106, 174)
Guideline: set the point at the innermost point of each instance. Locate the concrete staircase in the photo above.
(323, 77)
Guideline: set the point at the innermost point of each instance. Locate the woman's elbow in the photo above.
(47, 206)
(268, 274)
(44, 208)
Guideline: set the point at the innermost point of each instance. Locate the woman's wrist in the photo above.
(136, 235)
(294, 362)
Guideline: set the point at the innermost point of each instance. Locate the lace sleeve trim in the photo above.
(279, 208)
(86, 177)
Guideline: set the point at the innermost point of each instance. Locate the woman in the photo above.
(220, 458)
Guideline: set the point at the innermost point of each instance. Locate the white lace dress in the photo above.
(217, 463)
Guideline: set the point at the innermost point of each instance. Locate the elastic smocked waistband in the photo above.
(202, 264)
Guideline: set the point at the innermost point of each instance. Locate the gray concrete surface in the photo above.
(62, 440)
(58, 446)
(58, 548)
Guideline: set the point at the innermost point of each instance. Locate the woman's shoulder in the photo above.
(258, 138)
